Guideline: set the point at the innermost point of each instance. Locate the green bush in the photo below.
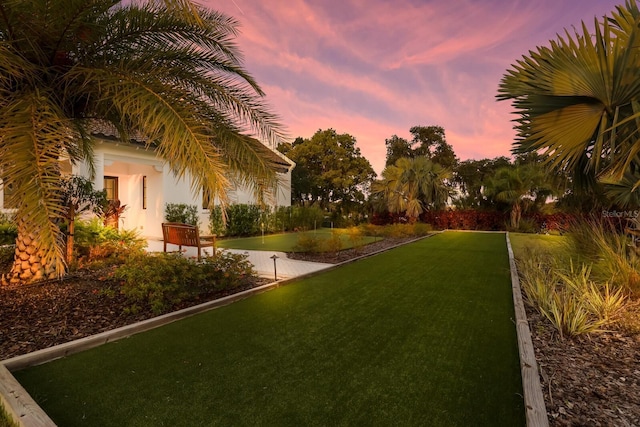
(225, 271)
(8, 229)
(307, 217)
(8, 233)
(161, 281)
(243, 220)
(217, 224)
(6, 217)
(368, 229)
(181, 212)
(248, 220)
(96, 242)
(283, 219)
(291, 218)
(154, 281)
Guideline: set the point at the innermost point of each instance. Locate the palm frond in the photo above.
(577, 95)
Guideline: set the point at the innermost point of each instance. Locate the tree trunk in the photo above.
(70, 231)
(516, 213)
(27, 264)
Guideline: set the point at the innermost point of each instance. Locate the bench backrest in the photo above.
(180, 234)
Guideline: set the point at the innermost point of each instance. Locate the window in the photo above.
(144, 192)
(111, 187)
(206, 198)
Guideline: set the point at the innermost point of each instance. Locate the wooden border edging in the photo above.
(18, 404)
(535, 409)
(26, 412)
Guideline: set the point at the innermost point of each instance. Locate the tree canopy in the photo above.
(411, 186)
(469, 177)
(427, 141)
(168, 71)
(519, 186)
(329, 169)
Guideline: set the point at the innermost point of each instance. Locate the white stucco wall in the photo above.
(130, 164)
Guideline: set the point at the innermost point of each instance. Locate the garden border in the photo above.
(535, 409)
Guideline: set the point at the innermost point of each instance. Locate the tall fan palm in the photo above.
(579, 99)
(412, 185)
(167, 70)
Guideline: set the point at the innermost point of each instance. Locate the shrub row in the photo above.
(465, 220)
(251, 220)
(309, 242)
(483, 220)
(160, 281)
(181, 212)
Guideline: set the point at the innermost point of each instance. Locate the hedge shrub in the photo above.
(161, 281)
(181, 212)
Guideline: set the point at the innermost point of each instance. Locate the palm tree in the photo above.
(518, 186)
(412, 185)
(579, 99)
(168, 71)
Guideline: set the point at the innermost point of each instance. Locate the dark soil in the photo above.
(587, 381)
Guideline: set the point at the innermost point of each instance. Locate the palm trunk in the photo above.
(516, 213)
(27, 265)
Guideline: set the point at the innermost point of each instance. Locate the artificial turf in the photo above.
(420, 335)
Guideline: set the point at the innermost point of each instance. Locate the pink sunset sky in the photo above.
(375, 68)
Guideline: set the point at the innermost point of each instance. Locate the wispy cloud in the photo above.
(374, 68)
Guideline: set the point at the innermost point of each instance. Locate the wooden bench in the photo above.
(180, 234)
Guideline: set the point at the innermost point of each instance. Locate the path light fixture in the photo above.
(274, 257)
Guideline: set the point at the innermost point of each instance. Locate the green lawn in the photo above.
(420, 335)
(554, 245)
(285, 242)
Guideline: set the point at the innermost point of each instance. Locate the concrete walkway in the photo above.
(262, 262)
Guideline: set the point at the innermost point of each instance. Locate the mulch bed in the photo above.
(46, 314)
(587, 381)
